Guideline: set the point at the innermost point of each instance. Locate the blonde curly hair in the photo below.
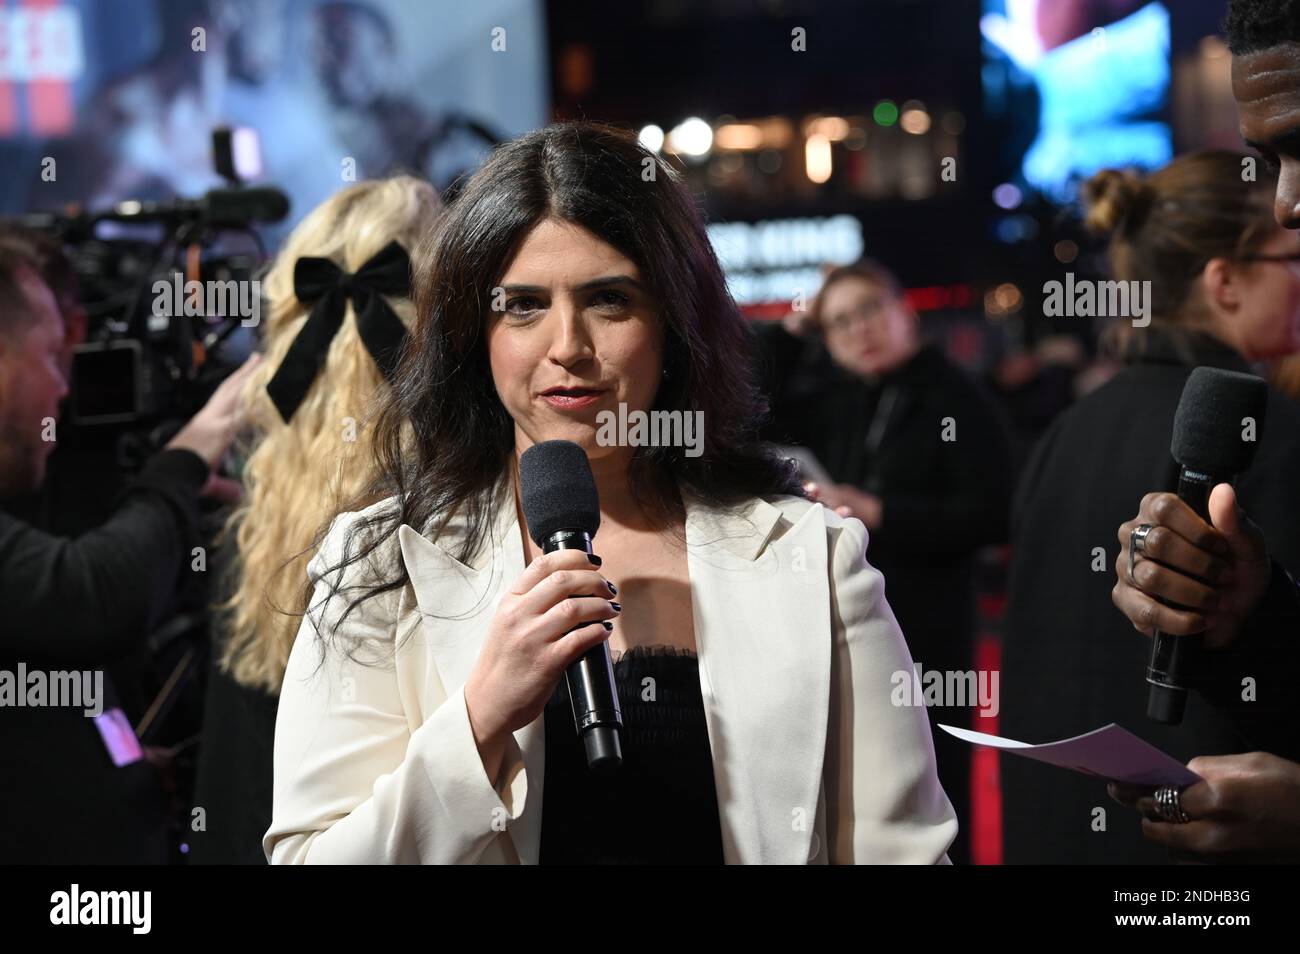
(297, 474)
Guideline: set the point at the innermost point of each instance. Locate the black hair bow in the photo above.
(319, 280)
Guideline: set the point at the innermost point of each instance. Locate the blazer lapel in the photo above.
(762, 629)
(457, 602)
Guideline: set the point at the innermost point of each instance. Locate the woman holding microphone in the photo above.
(423, 717)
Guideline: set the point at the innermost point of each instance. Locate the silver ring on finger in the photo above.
(1169, 806)
(1137, 543)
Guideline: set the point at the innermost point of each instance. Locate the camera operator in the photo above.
(79, 603)
(45, 253)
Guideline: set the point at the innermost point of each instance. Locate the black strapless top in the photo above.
(661, 807)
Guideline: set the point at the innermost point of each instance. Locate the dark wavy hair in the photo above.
(458, 463)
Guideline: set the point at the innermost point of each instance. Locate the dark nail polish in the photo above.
(595, 560)
(613, 590)
(618, 607)
(609, 627)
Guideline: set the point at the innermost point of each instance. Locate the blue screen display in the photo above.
(1076, 95)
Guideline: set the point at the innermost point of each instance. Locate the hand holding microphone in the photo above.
(1218, 570)
(544, 623)
(562, 509)
(554, 620)
(1216, 426)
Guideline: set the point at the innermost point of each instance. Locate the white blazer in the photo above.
(797, 649)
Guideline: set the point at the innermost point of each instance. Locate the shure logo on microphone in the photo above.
(1089, 299)
(103, 907)
(651, 429)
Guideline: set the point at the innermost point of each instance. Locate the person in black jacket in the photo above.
(921, 455)
(1217, 578)
(80, 604)
(1224, 292)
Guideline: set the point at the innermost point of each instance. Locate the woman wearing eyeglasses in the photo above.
(1225, 292)
(920, 454)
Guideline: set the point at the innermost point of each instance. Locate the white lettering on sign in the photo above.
(787, 243)
(775, 259)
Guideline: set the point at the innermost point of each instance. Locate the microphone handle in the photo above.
(597, 718)
(1172, 666)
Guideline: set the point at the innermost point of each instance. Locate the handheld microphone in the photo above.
(1210, 446)
(562, 509)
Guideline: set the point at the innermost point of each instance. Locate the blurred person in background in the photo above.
(309, 447)
(918, 452)
(1223, 292)
(1285, 376)
(76, 604)
(1036, 384)
(58, 274)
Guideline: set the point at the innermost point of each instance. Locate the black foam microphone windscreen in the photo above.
(1218, 409)
(557, 490)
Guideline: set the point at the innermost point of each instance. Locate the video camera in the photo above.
(163, 288)
(164, 285)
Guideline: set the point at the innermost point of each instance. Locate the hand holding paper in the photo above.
(1110, 752)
